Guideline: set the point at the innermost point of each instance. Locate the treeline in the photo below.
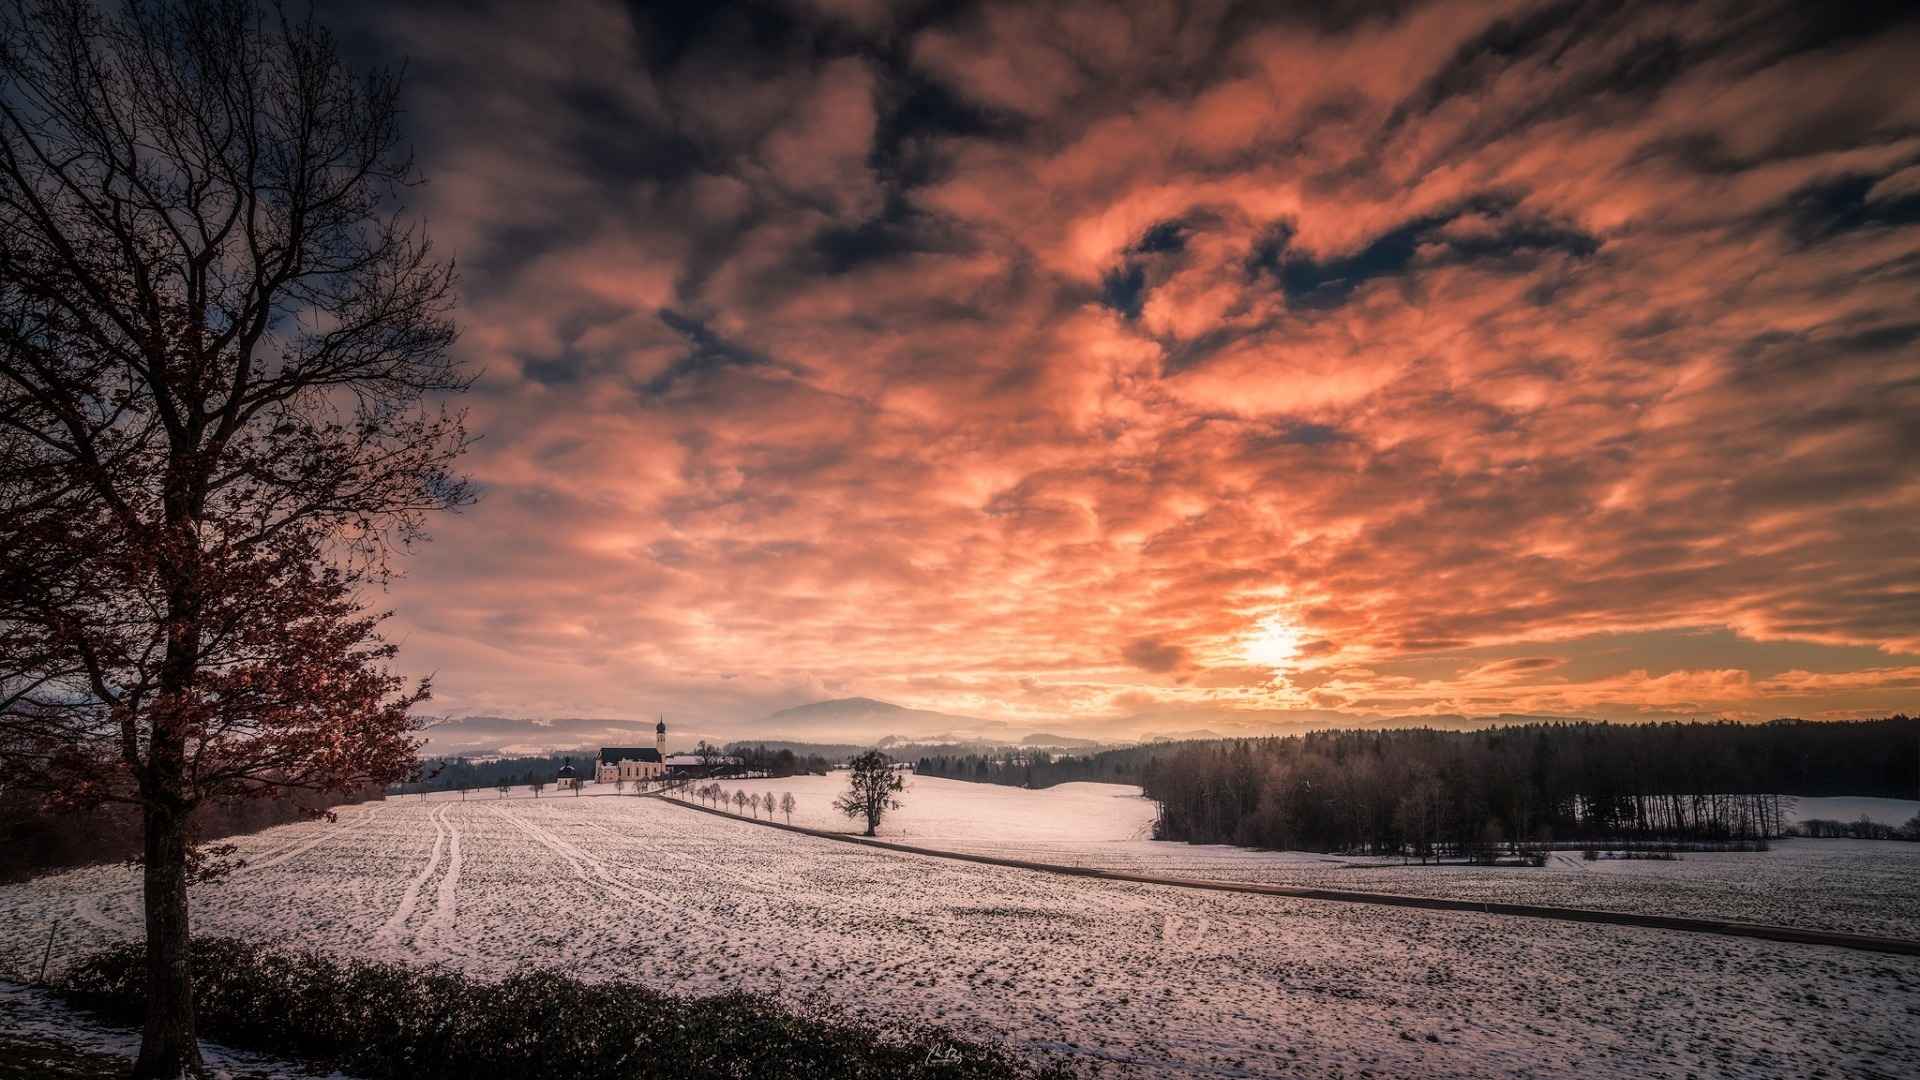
(1018, 767)
(777, 760)
(34, 840)
(1424, 792)
(471, 774)
(458, 773)
(1862, 828)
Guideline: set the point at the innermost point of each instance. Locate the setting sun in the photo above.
(1273, 643)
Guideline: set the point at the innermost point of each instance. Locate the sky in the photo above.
(1121, 369)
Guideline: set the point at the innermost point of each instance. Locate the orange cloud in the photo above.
(1019, 363)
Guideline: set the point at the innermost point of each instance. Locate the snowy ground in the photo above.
(1860, 886)
(1126, 979)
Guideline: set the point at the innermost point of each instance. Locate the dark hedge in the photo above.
(381, 1021)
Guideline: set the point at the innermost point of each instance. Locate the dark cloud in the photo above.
(1158, 657)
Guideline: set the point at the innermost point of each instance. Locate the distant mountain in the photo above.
(860, 719)
(1182, 736)
(1040, 738)
(830, 751)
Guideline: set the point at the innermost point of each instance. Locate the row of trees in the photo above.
(1423, 791)
(744, 802)
(467, 774)
(874, 785)
(1861, 828)
(777, 762)
(1022, 767)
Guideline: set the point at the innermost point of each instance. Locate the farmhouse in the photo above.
(634, 762)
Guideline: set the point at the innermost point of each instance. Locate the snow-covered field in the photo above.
(1124, 978)
(1860, 886)
(1850, 808)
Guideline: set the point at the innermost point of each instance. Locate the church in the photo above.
(634, 762)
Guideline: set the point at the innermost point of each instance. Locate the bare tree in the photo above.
(217, 340)
(871, 789)
(503, 787)
(538, 786)
(787, 804)
(739, 801)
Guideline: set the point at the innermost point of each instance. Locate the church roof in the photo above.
(614, 755)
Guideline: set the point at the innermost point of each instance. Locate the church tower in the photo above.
(660, 737)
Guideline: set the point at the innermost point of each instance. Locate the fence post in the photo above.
(47, 957)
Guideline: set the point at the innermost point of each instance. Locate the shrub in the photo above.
(389, 1021)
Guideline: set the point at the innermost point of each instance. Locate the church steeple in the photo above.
(660, 737)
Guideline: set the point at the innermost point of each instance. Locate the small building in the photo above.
(687, 765)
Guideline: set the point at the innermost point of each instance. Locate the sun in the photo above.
(1273, 643)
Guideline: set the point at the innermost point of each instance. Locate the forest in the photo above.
(1038, 768)
(1425, 792)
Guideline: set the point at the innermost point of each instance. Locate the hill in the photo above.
(869, 721)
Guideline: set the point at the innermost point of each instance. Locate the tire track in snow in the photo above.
(439, 928)
(584, 865)
(593, 871)
(301, 847)
(91, 909)
(397, 922)
(1184, 932)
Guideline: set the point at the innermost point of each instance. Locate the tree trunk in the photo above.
(168, 1047)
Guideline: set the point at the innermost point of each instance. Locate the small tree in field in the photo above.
(620, 784)
(787, 804)
(538, 786)
(871, 789)
(739, 801)
(503, 787)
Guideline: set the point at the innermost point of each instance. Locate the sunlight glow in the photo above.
(1273, 643)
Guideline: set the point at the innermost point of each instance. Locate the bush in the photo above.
(382, 1021)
